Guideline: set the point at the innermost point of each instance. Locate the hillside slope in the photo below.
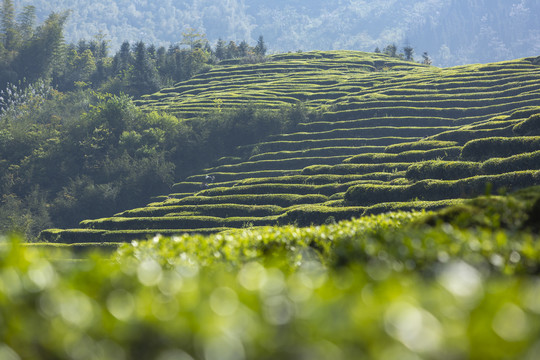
(391, 135)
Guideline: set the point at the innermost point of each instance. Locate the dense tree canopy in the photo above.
(31, 53)
(65, 157)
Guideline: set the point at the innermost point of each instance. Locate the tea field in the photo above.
(383, 135)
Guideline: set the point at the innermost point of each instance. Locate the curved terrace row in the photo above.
(390, 135)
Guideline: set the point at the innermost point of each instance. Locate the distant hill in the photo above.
(384, 135)
(452, 32)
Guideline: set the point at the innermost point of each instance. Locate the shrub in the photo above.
(525, 161)
(318, 215)
(525, 113)
(279, 164)
(410, 206)
(283, 200)
(462, 136)
(359, 169)
(443, 170)
(531, 126)
(419, 145)
(480, 149)
(512, 212)
(406, 156)
(441, 189)
(176, 224)
(300, 189)
(219, 210)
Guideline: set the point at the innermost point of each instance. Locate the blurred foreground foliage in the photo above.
(381, 287)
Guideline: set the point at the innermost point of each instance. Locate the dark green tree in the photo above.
(161, 63)
(408, 51)
(102, 46)
(152, 52)
(80, 68)
(45, 54)
(391, 50)
(123, 59)
(231, 50)
(260, 48)
(145, 78)
(10, 35)
(243, 49)
(426, 59)
(220, 49)
(27, 23)
(103, 62)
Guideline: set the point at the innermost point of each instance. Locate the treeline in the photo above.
(29, 53)
(407, 53)
(65, 157)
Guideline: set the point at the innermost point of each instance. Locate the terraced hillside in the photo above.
(390, 135)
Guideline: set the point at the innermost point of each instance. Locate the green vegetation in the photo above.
(29, 53)
(323, 136)
(441, 189)
(499, 147)
(415, 284)
(66, 157)
(346, 151)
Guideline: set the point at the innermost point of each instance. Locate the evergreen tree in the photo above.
(125, 54)
(408, 51)
(93, 46)
(80, 69)
(172, 63)
(260, 48)
(57, 44)
(231, 50)
(27, 23)
(391, 50)
(161, 61)
(145, 78)
(193, 62)
(10, 35)
(87, 65)
(220, 49)
(207, 48)
(82, 45)
(426, 58)
(123, 59)
(103, 63)
(103, 46)
(45, 54)
(243, 49)
(152, 52)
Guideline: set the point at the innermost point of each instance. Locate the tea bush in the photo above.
(481, 149)
(379, 287)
